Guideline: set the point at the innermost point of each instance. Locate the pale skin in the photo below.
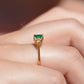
(61, 53)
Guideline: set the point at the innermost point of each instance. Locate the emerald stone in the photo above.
(38, 36)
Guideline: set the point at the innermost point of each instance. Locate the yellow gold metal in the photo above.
(38, 43)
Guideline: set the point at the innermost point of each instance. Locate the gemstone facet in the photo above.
(38, 36)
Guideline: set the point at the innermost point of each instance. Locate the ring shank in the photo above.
(39, 60)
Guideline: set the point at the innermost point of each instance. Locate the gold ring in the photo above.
(38, 38)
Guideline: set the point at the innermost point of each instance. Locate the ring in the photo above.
(38, 38)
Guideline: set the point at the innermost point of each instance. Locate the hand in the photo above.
(63, 32)
(68, 34)
(20, 73)
(64, 59)
(57, 13)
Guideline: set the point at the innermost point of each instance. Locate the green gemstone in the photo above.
(38, 36)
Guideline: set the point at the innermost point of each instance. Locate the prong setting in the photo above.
(38, 39)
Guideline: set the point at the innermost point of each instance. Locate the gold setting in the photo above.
(38, 38)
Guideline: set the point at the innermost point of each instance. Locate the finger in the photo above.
(75, 5)
(62, 32)
(64, 59)
(57, 13)
(18, 73)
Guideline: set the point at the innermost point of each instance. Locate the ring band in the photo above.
(38, 38)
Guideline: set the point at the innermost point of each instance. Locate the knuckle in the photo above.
(73, 22)
(59, 78)
(72, 57)
(74, 54)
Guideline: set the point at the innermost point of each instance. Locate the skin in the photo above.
(63, 38)
(73, 5)
(63, 53)
(65, 59)
(20, 73)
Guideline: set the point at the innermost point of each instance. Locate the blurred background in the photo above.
(14, 14)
